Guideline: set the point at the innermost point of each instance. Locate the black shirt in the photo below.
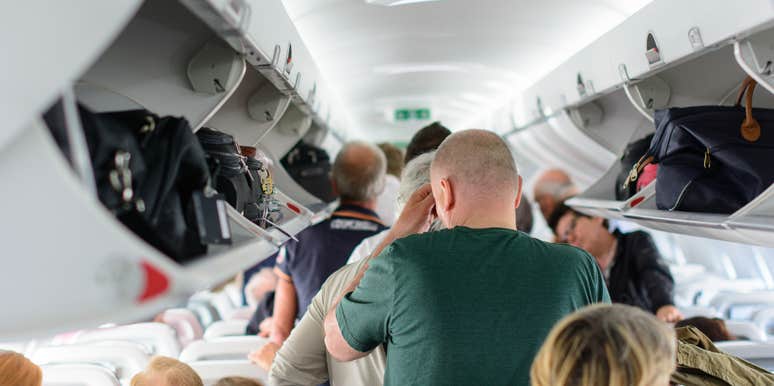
(639, 276)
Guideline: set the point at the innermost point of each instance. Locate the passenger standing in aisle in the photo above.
(385, 203)
(633, 268)
(303, 360)
(437, 331)
(358, 178)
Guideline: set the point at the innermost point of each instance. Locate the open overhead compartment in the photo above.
(610, 89)
(200, 60)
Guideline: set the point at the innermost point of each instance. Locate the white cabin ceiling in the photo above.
(461, 59)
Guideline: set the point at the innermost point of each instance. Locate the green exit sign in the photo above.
(412, 114)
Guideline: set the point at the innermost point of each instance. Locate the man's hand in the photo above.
(264, 356)
(417, 215)
(669, 314)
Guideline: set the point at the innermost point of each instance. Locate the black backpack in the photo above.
(310, 167)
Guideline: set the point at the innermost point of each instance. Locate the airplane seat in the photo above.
(160, 337)
(124, 358)
(242, 313)
(205, 311)
(78, 375)
(25, 348)
(694, 311)
(185, 323)
(741, 305)
(223, 303)
(226, 328)
(212, 371)
(234, 293)
(764, 319)
(226, 348)
(746, 330)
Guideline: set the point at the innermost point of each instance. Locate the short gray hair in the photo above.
(416, 173)
(359, 171)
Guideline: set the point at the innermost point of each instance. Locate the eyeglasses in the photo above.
(570, 229)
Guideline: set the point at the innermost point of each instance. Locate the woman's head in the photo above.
(163, 371)
(606, 345)
(17, 370)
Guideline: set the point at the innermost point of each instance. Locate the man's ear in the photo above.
(447, 194)
(518, 194)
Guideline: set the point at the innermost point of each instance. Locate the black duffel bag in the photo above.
(227, 167)
(630, 156)
(147, 171)
(712, 158)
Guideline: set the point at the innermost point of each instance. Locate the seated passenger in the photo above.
(17, 370)
(238, 381)
(606, 345)
(302, 360)
(551, 188)
(714, 328)
(471, 304)
(358, 178)
(633, 268)
(164, 371)
(385, 204)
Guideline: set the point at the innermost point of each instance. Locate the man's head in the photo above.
(163, 371)
(358, 172)
(394, 158)
(578, 229)
(475, 181)
(426, 139)
(551, 188)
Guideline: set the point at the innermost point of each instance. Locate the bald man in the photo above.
(358, 178)
(469, 305)
(551, 188)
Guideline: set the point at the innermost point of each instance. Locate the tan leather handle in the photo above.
(751, 129)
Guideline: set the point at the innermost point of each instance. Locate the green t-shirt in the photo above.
(466, 306)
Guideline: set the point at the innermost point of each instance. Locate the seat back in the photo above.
(78, 374)
(223, 328)
(185, 323)
(212, 371)
(125, 358)
(228, 348)
(205, 311)
(744, 329)
(161, 338)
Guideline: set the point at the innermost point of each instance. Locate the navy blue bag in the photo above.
(712, 159)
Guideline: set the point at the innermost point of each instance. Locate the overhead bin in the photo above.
(193, 59)
(60, 36)
(610, 89)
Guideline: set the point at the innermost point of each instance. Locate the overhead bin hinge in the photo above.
(213, 68)
(267, 104)
(648, 95)
(589, 114)
(755, 54)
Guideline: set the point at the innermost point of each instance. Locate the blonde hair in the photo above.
(17, 370)
(174, 373)
(606, 345)
(238, 381)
